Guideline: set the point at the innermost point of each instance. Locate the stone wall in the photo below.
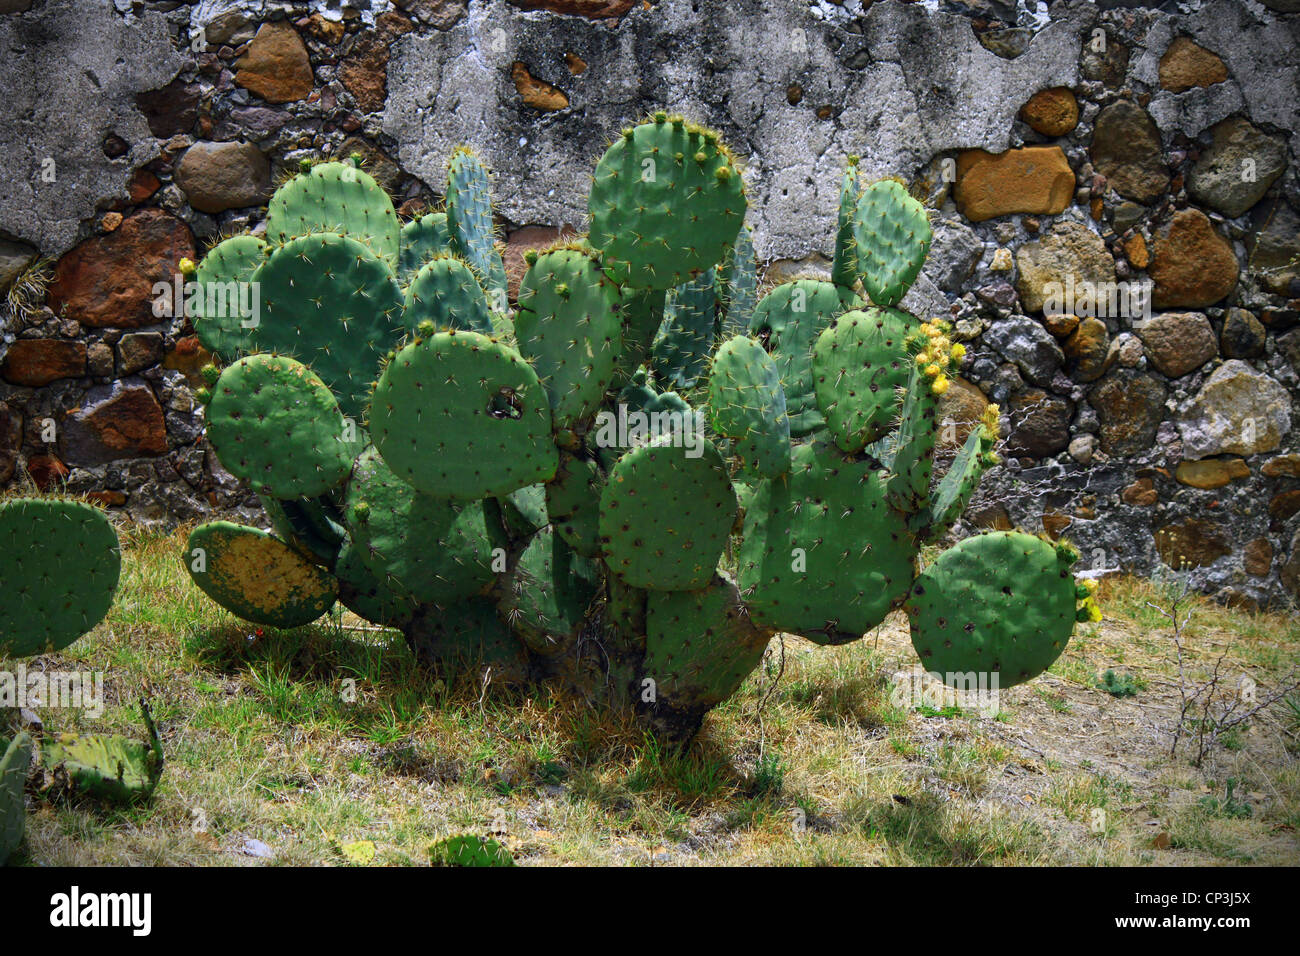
(1126, 145)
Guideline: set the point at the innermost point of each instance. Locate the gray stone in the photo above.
(1030, 346)
(955, 252)
(1238, 411)
(1126, 149)
(1235, 172)
(220, 176)
(14, 258)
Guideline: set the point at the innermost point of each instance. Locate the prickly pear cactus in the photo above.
(15, 757)
(630, 483)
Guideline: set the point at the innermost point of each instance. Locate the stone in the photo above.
(143, 184)
(1289, 573)
(1127, 215)
(591, 9)
(99, 360)
(15, 257)
(441, 14)
(1275, 248)
(171, 110)
(46, 471)
(118, 421)
(1082, 448)
(327, 31)
(1088, 350)
(535, 93)
(220, 176)
(188, 356)
(11, 440)
(1283, 466)
(1192, 265)
(1235, 172)
(275, 66)
(138, 351)
(1211, 472)
(1284, 506)
(1002, 260)
(1238, 411)
(1135, 250)
(107, 281)
(110, 221)
(1040, 424)
(1030, 346)
(1243, 335)
(1187, 64)
(108, 498)
(1257, 557)
(954, 253)
(1126, 150)
(1033, 179)
(374, 161)
(37, 362)
(1060, 324)
(1178, 342)
(364, 73)
(959, 412)
(1052, 112)
(1069, 253)
(1130, 406)
(1193, 543)
(1056, 524)
(1107, 65)
(1142, 493)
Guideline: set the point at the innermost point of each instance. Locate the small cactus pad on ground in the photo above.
(459, 415)
(59, 564)
(665, 514)
(112, 768)
(256, 576)
(469, 851)
(15, 758)
(893, 235)
(226, 309)
(273, 423)
(327, 301)
(666, 201)
(336, 198)
(1002, 602)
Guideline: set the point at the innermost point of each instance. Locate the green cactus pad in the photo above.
(546, 597)
(310, 526)
(680, 354)
(666, 201)
(860, 362)
(446, 292)
(1002, 602)
(458, 415)
(737, 281)
(374, 597)
(570, 329)
(700, 645)
(435, 549)
(469, 222)
(329, 303)
(468, 638)
(573, 503)
(908, 488)
(523, 512)
(15, 758)
(422, 240)
(844, 267)
(219, 312)
(963, 475)
(747, 404)
(665, 517)
(273, 423)
(336, 198)
(257, 577)
(112, 768)
(469, 851)
(788, 321)
(643, 315)
(893, 237)
(823, 555)
(59, 561)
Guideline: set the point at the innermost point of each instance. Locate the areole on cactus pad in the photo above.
(629, 485)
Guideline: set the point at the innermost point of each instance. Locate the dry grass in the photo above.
(263, 743)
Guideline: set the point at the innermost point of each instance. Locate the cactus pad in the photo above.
(666, 201)
(224, 279)
(545, 600)
(469, 222)
(59, 561)
(893, 235)
(336, 198)
(469, 851)
(112, 768)
(665, 516)
(859, 364)
(573, 503)
(680, 354)
(15, 758)
(446, 292)
(273, 423)
(747, 404)
(1002, 603)
(459, 415)
(422, 240)
(256, 576)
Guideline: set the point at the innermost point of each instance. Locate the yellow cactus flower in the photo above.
(186, 267)
(939, 385)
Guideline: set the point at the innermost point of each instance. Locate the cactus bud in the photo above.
(186, 267)
(210, 373)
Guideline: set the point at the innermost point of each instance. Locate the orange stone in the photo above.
(1034, 179)
(1135, 249)
(276, 66)
(1052, 112)
(1186, 64)
(1211, 472)
(536, 93)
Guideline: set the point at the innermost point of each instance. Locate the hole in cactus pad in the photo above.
(505, 403)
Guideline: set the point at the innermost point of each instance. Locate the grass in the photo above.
(311, 740)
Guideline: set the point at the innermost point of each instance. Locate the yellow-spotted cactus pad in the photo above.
(256, 576)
